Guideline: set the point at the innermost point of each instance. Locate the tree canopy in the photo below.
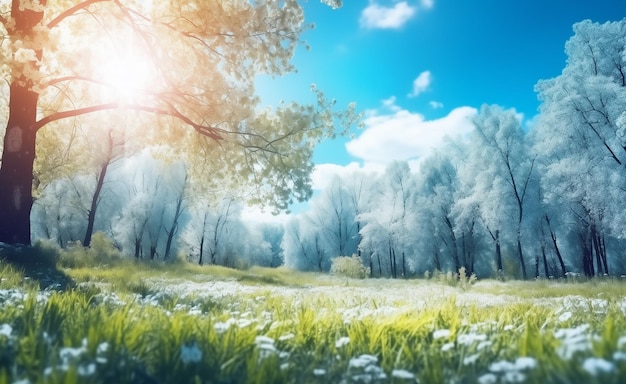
(169, 66)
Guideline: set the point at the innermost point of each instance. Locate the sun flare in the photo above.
(127, 73)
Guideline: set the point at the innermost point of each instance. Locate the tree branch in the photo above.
(205, 130)
(71, 11)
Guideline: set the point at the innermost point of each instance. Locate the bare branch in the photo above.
(71, 11)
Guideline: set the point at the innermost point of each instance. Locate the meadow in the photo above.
(129, 322)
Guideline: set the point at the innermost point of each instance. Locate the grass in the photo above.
(155, 323)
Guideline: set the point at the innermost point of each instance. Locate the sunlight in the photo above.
(127, 73)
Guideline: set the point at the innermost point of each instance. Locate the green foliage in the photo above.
(349, 267)
(100, 253)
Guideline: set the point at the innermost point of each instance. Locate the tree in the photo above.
(388, 219)
(334, 216)
(501, 173)
(187, 65)
(581, 135)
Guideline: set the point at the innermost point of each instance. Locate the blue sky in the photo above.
(420, 68)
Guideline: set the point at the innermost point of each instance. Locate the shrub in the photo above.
(101, 252)
(349, 267)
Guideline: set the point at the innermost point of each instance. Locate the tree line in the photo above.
(544, 201)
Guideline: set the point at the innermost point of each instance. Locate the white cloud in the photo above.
(421, 83)
(376, 16)
(406, 135)
(435, 104)
(324, 173)
(428, 3)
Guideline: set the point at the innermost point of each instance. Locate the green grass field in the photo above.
(155, 323)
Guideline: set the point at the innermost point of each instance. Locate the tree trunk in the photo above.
(498, 254)
(556, 247)
(200, 261)
(520, 254)
(95, 199)
(18, 155)
(545, 259)
(16, 171)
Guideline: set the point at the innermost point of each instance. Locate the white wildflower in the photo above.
(402, 374)
(319, 372)
(619, 356)
(68, 353)
(190, 353)
(6, 330)
(523, 363)
(508, 327)
(363, 361)
(483, 345)
(488, 378)
(221, 327)
(342, 342)
(447, 346)
(441, 334)
(471, 359)
(86, 370)
(502, 366)
(514, 377)
(102, 347)
(595, 366)
(286, 337)
(470, 338)
(565, 316)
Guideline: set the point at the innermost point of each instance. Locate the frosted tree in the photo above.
(333, 214)
(387, 221)
(497, 177)
(303, 246)
(438, 231)
(582, 133)
(184, 65)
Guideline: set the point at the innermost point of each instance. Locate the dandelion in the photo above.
(595, 366)
(441, 334)
(342, 342)
(402, 374)
(190, 353)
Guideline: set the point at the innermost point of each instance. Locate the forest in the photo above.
(522, 201)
